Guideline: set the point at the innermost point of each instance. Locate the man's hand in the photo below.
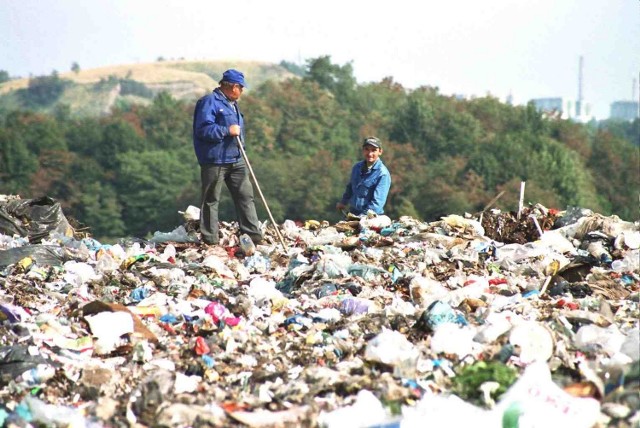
(340, 206)
(234, 130)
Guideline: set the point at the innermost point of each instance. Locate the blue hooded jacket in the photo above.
(212, 116)
(368, 188)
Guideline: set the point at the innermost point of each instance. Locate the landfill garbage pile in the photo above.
(496, 319)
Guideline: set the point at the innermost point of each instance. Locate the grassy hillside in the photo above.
(96, 91)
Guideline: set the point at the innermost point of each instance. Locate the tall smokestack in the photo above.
(580, 82)
(633, 96)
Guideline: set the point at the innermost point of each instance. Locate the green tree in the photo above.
(374, 107)
(148, 184)
(630, 131)
(54, 177)
(95, 202)
(118, 137)
(166, 122)
(99, 208)
(437, 125)
(301, 189)
(133, 87)
(541, 162)
(43, 91)
(567, 175)
(37, 131)
(298, 70)
(84, 135)
(574, 136)
(616, 163)
(75, 67)
(441, 191)
(409, 175)
(17, 163)
(415, 121)
(301, 119)
(4, 76)
(337, 79)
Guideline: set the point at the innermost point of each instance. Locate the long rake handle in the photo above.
(264, 201)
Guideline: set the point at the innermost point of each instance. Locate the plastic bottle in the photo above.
(599, 252)
(39, 374)
(326, 290)
(247, 245)
(619, 266)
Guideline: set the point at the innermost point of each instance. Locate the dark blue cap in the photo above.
(372, 141)
(233, 76)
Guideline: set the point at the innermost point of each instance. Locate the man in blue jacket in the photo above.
(370, 181)
(217, 123)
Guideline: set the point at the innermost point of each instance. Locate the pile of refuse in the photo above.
(493, 319)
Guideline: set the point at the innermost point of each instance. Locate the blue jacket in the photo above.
(367, 189)
(212, 116)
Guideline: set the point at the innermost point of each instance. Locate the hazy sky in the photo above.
(529, 48)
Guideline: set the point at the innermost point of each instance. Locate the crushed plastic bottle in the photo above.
(37, 375)
(326, 290)
(247, 245)
(599, 252)
(439, 313)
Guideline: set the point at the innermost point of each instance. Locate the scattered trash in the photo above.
(489, 320)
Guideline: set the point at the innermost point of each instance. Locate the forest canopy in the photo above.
(129, 172)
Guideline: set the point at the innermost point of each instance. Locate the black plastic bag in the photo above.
(33, 218)
(43, 255)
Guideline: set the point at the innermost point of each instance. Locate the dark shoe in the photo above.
(257, 239)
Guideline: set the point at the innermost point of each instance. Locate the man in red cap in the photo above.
(217, 122)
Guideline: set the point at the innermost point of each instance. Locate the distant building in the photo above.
(564, 108)
(624, 110)
(509, 99)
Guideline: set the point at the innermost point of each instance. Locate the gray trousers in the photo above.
(236, 178)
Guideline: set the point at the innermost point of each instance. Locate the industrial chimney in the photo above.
(579, 107)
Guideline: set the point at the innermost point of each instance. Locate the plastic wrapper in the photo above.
(392, 348)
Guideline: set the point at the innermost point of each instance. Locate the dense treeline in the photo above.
(129, 173)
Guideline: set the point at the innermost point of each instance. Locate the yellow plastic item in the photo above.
(312, 224)
(25, 263)
(146, 311)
